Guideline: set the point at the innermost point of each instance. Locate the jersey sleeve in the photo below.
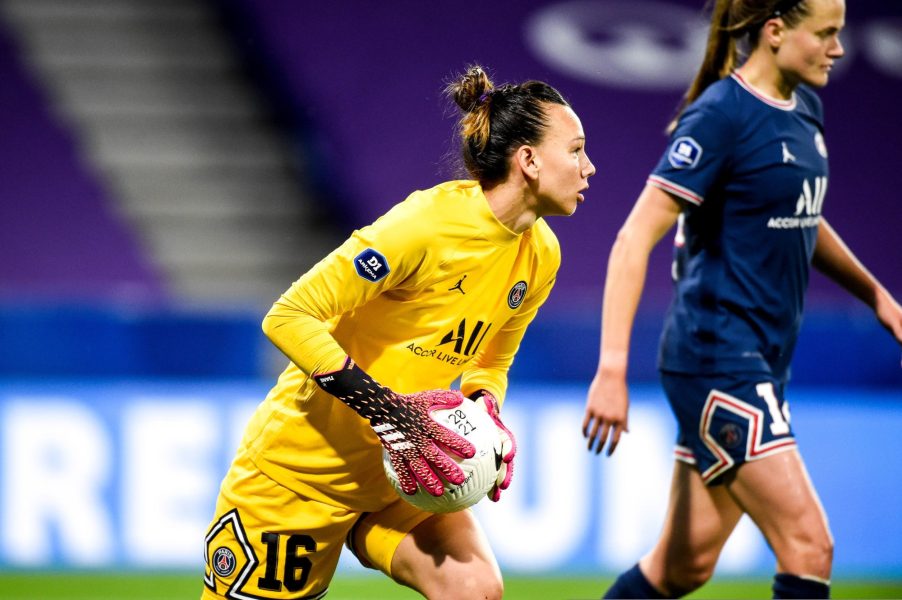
(490, 366)
(699, 149)
(374, 260)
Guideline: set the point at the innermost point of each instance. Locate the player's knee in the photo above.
(483, 582)
(818, 554)
(809, 552)
(490, 587)
(689, 573)
(466, 581)
(824, 550)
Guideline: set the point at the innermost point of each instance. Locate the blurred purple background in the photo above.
(369, 77)
(60, 234)
(358, 87)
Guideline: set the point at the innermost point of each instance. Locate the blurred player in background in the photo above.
(744, 180)
(440, 287)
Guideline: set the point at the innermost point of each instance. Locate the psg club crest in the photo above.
(730, 436)
(224, 561)
(516, 295)
(820, 144)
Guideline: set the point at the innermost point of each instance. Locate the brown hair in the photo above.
(731, 22)
(498, 120)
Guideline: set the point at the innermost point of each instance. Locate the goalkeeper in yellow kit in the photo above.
(440, 287)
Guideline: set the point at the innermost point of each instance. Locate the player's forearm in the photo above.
(489, 369)
(623, 287)
(834, 259)
(303, 338)
(653, 216)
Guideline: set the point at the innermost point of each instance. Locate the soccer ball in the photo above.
(481, 471)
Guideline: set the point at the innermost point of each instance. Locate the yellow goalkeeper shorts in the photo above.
(267, 541)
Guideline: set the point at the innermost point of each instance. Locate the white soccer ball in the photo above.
(481, 471)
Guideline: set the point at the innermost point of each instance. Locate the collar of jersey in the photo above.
(495, 231)
(770, 101)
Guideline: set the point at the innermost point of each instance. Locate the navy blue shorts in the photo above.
(726, 420)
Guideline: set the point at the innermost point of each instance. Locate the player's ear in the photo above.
(527, 160)
(772, 32)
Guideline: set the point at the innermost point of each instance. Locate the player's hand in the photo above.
(415, 442)
(889, 313)
(508, 445)
(607, 407)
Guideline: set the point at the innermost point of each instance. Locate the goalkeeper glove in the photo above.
(508, 444)
(404, 426)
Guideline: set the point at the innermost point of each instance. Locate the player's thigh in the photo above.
(430, 553)
(727, 420)
(778, 495)
(448, 556)
(699, 521)
(266, 541)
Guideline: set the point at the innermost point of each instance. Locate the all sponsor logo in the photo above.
(808, 207)
(811, 202)
(465, 340)
(371, 265)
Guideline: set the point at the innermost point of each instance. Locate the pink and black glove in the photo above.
(508, 444)
(404, 426)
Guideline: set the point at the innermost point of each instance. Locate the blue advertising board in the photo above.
(124, 474)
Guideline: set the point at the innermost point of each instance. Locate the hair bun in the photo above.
(471, 89)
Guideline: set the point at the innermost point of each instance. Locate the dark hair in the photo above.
(498, 120)
(731, 22)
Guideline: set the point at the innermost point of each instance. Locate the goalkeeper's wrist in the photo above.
(487, 401)
(483, 392)
(354, 387)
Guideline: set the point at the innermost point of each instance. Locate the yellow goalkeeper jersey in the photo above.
(435, 289)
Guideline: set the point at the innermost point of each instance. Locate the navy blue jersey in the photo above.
(753, 173)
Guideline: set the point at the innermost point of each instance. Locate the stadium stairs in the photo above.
(167, 113)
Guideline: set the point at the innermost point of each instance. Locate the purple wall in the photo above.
(369, 76)
(59, 234)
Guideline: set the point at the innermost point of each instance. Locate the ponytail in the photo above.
(720, 57)
(731, 21)
(472, 93)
